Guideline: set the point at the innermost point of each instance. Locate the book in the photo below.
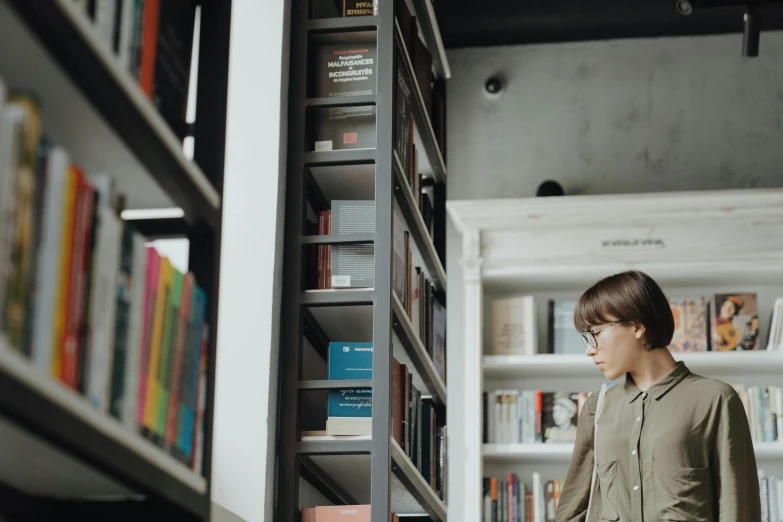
(352, 266)
(563, 337)
(514, 326)
(360, 7)
(734, 322)
(342, 128)
(690, 325)
(344, 69)
(349, 410)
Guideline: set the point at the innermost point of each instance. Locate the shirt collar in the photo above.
(661, 387)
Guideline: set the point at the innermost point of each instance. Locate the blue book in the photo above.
(349, 361)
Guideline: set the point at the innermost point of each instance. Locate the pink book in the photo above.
(308, 515)
(150, 294)
(342, 513)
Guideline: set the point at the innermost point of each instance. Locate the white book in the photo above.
(538, 498)
(779, 415)
(126, 34)
(11, 128)
(514, 326)
(103, 299)
(50, 270)
(779, 487)
(133, 349)
(491, 417)
(772, 496)
(104, 22)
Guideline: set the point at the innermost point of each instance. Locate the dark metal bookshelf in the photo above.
(50, 417)
(394, 480)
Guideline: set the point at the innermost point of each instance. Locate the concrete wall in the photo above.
(606, 117)
(617, 116)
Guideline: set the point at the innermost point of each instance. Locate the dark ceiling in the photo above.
(475, 23)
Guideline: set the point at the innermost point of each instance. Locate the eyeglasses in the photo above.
(588, 336)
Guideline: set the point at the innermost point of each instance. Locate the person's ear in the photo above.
(638, 331)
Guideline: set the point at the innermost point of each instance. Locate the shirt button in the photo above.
(638, 419)
(644, 394)
(633, 452)
(635, 488)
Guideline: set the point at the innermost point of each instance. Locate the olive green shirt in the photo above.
(682, 451)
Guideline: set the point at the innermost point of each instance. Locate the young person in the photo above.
(670, 445)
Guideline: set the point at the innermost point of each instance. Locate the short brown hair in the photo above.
(631, 296)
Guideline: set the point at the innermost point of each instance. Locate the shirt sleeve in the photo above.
(734, 473)
(575, 494)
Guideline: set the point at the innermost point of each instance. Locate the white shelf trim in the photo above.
(561, 453)
(67, 399)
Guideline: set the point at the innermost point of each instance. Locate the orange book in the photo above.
(149, 45)
(69, 214)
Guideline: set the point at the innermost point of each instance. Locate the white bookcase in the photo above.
(692, 243)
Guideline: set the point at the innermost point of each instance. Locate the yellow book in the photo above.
(63, 277)
(153, 369)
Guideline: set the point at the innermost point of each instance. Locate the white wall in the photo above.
(246, 382)
(605, 117)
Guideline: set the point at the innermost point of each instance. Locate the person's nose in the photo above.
(590, 351)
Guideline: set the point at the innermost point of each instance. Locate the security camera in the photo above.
(493, 85)
(684, 7)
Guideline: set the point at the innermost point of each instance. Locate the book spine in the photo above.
(149, 46)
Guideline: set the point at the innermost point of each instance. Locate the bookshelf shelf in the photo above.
(410, 477)
(413, 218)
(426, 131)
(339, 157)
(417, 353)
(341, 101)
(335, 385)
(65, 419)
(68, 37)
(543, 453)
(761, 362)
(338, 239)
(338, 297)
(356, 23)
(561, 453)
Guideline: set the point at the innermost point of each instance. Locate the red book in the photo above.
(74, 313)
(149, 46)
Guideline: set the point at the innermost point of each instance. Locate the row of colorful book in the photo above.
(508, 499)
(87, 299)
(531, 416)
(722, 322)
(764, 407)
(152, 41)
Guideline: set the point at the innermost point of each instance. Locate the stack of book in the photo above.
(507, 499)
(86, 299)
